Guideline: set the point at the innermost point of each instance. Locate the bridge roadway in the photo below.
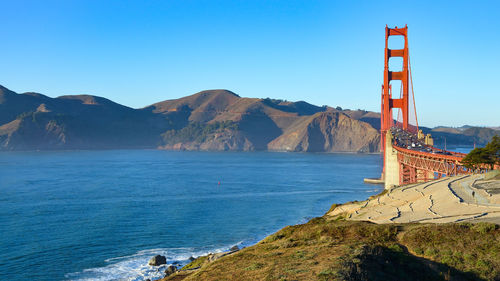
(409, 160)
(434, 164)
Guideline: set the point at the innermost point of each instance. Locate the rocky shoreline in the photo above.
(367, 243)
(193, 265)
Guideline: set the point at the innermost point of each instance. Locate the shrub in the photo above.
(484, 227)
(197, 132)
(255, 266)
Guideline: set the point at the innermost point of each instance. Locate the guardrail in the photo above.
(456, 156)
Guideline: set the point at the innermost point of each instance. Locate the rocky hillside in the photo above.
(209, 120)
(328, 131)
(32, 121)
(262, 124)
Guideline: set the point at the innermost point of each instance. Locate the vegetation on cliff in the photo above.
(197, 132)
(336, 249)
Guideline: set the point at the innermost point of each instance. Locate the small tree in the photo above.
(475, 158)
(493, 150)
(489, 155)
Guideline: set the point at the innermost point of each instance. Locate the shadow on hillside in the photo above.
(395, 263)
(259, 129)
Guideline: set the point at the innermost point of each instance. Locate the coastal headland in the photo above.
(214, 120)
(445, 229)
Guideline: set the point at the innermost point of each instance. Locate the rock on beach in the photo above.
(157, 260)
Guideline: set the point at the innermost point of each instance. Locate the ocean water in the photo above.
(457, 148)
(101, 215)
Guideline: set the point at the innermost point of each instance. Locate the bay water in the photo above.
(101, 215)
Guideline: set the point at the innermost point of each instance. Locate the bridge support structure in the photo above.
(404, 166)
(392, 168)
(388, 103)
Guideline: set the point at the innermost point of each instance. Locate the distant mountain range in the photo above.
(209, 120)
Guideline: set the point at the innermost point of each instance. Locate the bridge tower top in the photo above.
(388, 102)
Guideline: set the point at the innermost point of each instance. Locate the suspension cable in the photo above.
(412, 92)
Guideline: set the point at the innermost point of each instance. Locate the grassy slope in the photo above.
(347, 250)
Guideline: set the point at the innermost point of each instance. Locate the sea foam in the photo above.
(135, 267)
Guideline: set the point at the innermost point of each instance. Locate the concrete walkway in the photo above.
(446, 200)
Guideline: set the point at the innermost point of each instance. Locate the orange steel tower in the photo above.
(388, 103)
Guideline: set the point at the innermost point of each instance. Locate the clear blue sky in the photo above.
(324, 52)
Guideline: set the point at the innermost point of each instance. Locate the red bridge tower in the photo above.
(388, 103)
(406, 163)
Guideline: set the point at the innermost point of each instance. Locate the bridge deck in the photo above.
(418, 162)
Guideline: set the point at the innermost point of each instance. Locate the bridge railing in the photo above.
(457, 157)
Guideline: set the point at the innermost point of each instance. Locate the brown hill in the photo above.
(370, 117)
(265, 124)
(208, 120)
(465, 135)
(32, 121)
(328, 131)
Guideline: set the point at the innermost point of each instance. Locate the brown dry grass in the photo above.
(348, 250)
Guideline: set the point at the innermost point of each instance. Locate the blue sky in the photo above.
(324, 52)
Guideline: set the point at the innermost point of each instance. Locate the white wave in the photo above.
(135, 267)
